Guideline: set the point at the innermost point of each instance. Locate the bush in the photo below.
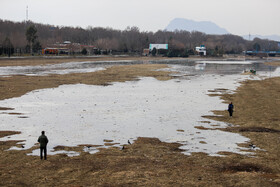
(178, 53)
(104, 52)
(154, 51)
(185, 53)
(162, 52)
(36, 47)
(96, 51)
(7, 48)
(84, 51)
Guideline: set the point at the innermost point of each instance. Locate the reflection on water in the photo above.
(227, 68)
(191, 66)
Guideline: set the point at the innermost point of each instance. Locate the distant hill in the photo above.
(269, 37)
(190, 25)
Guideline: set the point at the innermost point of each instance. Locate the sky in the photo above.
(239, 17)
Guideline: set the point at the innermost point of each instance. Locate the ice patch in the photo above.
(80, 114)
(64, 68)
(225, 62)
(75, 115)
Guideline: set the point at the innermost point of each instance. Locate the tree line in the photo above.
(14, 39)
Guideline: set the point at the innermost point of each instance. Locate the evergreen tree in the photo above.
(154, 51)
(36, 47)
(8, 47)
(84, 51)
(31, 36)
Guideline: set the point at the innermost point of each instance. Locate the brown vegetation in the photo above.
(147, 162)
(274, 63)
(257, 114)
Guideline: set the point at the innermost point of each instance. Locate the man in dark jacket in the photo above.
(230, 109)
(43, 140)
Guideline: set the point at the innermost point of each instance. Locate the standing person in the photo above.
(230, 109)
(43, 140)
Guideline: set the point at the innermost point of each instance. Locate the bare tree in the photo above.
(131, 39)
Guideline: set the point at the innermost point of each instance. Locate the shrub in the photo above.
(84, 51)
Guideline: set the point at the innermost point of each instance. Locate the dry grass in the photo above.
(274, 63)
(148, 161)
(257, 114)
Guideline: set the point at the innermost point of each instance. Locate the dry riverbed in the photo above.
(149, 162)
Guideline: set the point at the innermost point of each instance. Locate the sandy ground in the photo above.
(149, 162)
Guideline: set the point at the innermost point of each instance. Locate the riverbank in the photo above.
(49, 60)
(149, 162)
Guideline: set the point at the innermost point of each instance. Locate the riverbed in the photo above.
(171, 110)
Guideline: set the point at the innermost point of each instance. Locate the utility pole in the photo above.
(26, 13)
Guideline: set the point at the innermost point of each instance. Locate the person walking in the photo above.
(230, 109)
(43, 140)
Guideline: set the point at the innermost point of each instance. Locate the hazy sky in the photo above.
(237, 16)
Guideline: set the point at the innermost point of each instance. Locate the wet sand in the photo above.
(148, 161)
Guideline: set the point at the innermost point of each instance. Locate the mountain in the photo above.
(269, 37)
(190, 25)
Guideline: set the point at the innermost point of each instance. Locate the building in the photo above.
(146, 52)
(158, 46)
(201, 50)
(50, 51)
(67, 48)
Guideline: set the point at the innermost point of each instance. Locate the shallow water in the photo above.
(196, 66)
(66, 68)
(79, 114)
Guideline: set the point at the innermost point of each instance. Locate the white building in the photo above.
(201, 50)
(158, 46)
